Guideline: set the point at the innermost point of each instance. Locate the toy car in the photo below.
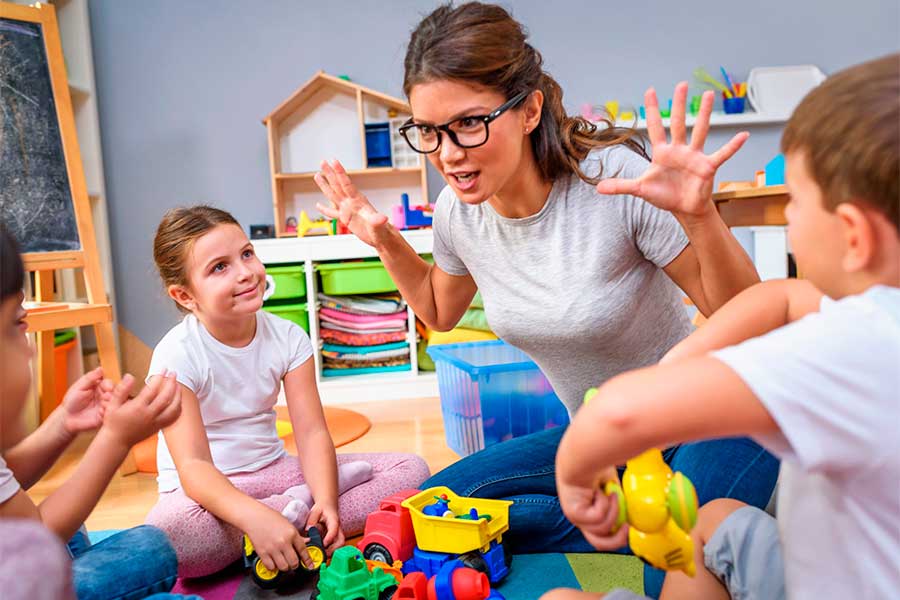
(346, 577)
(389, 534)
(270, 579)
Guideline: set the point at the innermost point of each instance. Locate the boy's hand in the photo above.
(680, 176)
(82, 406)
(157, 406)
(326, 516)
(276, 540)
(592, 511)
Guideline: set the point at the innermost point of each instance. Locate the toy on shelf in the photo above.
(660, 507)
(290, 225)
(773, 174)
(347, 577)
(405, 218)
(775, 171)
(402, 529)
(453, 582)
(319, 226)
(270, 579)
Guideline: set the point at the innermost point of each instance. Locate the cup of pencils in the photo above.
(734, 95)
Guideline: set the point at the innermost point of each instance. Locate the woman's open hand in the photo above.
(348, 205)
(680, 176)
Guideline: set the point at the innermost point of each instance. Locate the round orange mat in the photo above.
(343, 424)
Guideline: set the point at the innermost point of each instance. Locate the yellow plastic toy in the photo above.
(457, 536)
(306, 225)
(661, 508)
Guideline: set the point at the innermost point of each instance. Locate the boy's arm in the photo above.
(659, 406)
(755, 311)
(31, 458)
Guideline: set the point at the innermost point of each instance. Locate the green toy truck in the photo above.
(348, 578)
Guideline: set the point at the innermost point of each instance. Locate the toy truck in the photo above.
(270, 579)
(346, 577)
(453, 582)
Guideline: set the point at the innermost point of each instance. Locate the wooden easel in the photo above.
(57, 315)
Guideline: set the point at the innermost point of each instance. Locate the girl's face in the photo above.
(476, 174)
(15, 370)
(225, 277)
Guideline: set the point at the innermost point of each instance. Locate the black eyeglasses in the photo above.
(466, 132)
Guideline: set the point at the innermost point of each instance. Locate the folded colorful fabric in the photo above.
(365, 305)
(361, 339)
(384, 324)
(356, 318)
(330, 363)
(372, 356)
(355, 329)
(364, 370)
(363, 349)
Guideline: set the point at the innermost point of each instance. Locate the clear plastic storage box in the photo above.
(492, 392)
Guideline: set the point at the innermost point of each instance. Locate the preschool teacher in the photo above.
(584, 279)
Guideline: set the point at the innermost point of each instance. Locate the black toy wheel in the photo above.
(476, 561)
(265, 578)
(378, 552)
(387, 593)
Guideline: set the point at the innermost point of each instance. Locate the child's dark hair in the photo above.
(12, 273)
(849, 130)
(175, 236)
(482, 44)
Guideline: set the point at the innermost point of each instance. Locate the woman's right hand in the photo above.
(276, 540)
(349, 206)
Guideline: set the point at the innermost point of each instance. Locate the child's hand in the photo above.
(277, 541)
(592, 511)
(680, 176)
(157, 406)
(327, 516)
(348, 205)
(82, 406)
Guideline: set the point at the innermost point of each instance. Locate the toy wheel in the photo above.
(387, 593)
(264, 577)
(378, 552)
(476, 561)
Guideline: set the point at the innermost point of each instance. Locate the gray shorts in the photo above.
(744, 554)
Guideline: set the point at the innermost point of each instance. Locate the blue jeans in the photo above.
(523, 470)
(133, 564)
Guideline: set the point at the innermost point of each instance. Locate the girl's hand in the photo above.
(156, 407)
(277, 541)
(327, 515)
(592, 511)
(680, 176)
(82, 406)
(348, 205)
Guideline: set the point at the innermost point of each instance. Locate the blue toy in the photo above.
(775, 171)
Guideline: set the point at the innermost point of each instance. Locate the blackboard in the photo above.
(35, 197)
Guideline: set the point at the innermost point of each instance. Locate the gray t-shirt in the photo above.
(578, 286)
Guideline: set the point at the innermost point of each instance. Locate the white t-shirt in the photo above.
(8, 484)
(831, 382)
(237, 389)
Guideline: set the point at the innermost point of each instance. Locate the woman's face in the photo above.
(475, 174)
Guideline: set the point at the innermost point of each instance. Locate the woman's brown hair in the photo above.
(483, 44)
(175, 236)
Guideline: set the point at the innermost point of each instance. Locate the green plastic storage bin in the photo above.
(292, 312)
(290, 282)
(364, 277)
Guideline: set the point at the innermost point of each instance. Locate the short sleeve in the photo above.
(300, 347)
(172, 353)
(656, 232)
(445, 256)
(9, 487)
(828, 381)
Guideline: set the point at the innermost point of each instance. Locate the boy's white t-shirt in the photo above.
(9, 486)
(237, 389)
(831, 381)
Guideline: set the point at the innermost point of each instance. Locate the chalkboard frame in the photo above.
(87, 256)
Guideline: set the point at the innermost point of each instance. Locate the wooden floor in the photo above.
(397, 426)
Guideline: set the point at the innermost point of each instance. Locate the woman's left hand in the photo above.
(327, 516)
(680, 176)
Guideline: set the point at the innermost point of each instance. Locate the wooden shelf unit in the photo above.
(325, 119)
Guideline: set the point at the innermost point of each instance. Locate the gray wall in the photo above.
(183, 86)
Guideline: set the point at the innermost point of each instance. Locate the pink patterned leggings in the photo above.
(204, 544)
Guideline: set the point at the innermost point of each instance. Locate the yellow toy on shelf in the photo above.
(661, 508)
(306, 225)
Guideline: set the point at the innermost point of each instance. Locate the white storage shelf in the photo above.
(352, 388)
(717, 119)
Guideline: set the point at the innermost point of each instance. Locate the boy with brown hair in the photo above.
(809, 368)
